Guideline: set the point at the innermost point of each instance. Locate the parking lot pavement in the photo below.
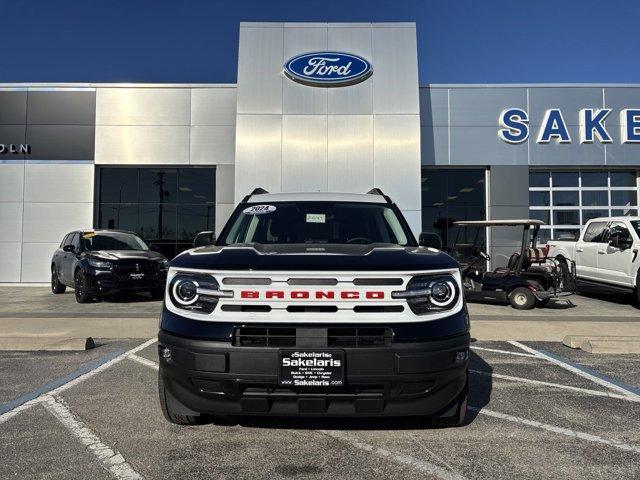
(529, 418)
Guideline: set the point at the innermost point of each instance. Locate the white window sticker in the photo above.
(259, 209)
(316, 218)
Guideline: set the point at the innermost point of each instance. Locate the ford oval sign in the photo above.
(328, 69)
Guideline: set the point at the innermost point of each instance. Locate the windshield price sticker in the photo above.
(316, 218)
(259, 209)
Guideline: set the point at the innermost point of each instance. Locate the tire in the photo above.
(83, 291)
(157, 293)
(521, 298)
(167, 411)
(638, 288)
(56, 287)
(457, 419)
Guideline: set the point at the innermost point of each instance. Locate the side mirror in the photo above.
(204, 239)
(69, 248)
(428, 239)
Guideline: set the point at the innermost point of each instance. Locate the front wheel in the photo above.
(83, 291)
(522, 298)
(56, 286)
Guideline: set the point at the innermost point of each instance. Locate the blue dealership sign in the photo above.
(328, 69)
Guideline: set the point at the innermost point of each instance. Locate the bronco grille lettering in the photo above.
(306, 294)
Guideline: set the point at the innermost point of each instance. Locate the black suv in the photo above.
(103, 262)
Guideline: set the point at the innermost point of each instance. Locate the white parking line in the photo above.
(415, 463)
(111, 460)
(577, 371)
(144, 361)
(11, 413)
(597, 393)
(495, 350)
(562, 431)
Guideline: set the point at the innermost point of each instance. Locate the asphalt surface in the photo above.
(516, 429)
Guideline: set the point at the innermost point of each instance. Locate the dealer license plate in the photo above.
(136, 276)
(311, 368)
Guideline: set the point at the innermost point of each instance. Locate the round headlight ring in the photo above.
(443, 292)
(185, 291)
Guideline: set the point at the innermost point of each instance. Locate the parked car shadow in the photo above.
(129, 297)
(619, 298)
(480, 386)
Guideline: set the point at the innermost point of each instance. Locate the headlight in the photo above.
(196, 292)
(433, 293)
(95, 263)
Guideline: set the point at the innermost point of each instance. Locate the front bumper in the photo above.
(215, 377)
(105, 282)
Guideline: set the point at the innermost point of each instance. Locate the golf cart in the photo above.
(530, 279)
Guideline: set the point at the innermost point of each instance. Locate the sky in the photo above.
(459, 41)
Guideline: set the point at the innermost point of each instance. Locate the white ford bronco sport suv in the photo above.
(315, 304)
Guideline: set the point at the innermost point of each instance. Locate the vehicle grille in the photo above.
(365, 337)
(125, 267)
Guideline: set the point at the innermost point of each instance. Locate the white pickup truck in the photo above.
(606, 253)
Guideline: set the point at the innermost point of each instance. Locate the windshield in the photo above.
(317, 222)
(112, 241)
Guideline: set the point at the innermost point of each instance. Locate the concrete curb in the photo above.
(550, 330)
(604, 343)
(45, 343)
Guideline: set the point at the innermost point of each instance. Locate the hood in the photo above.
(126, 255)
(314, 257)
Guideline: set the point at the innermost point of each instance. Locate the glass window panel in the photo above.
(158, 185)
(434, 187)
(591, 214)
(566, 217)
(594, 179)
(118, 185)
(544, 235)
(625, 212)
(543, 215)
(623, 179)
(565, 198)
(566, 234)
(193, 219)
(197, 185)
(564, 179)
(595, 198)
(158, 223)
(624, 197)
(466, 187)
(118, 216)
(539, 199)
(538, 179)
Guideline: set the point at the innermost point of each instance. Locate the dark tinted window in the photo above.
(594, 179)
(539, 179)
(66, 240)
(565, 179)
(450, 195)
(119, 185)
(619, 230)
(539, 199)
(623, 179)
(595, 232)
(595, 198)
(565, 198)
(112, 241)
(165, 206)
(75, 241)
(624, 197)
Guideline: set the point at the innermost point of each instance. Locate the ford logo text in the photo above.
(328, 69)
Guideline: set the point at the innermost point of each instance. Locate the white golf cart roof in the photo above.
(499, 223)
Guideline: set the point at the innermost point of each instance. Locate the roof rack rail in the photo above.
(255, 191)
(377, 191)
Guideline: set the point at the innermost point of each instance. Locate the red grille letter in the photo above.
(349, 295)
(375, 295)
(249, 294)
(299, 294)
(274, 294)
(320, 295)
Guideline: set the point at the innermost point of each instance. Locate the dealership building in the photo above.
(169, 160)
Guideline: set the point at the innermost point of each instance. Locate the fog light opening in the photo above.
(165, 352)
(462, 356)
